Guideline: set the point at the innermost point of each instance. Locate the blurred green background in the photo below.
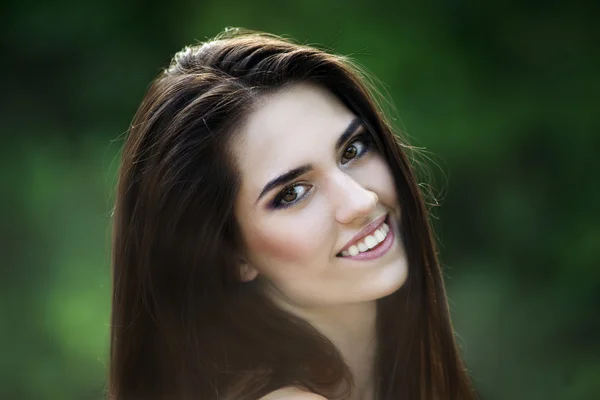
(503, 95)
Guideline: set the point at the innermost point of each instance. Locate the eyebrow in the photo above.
(303, 169)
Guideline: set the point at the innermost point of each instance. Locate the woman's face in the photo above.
(311, 181)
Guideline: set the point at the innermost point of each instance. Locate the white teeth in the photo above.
(385, 228)
(370, 241)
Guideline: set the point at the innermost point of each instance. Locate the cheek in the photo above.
(292, 240)
(387, 186)
(377, 176)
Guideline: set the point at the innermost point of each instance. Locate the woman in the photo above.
(270, 238)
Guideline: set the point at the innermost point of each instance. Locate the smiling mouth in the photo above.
(369, 242)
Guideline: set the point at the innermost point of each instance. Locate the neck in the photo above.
(351, 328)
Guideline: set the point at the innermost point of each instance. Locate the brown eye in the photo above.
(289, 195)
(350, 152)
(355, 150)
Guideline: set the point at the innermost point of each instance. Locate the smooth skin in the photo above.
(293, 232)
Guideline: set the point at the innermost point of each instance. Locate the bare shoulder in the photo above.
(292, 394)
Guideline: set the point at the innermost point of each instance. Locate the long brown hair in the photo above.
(183, 324)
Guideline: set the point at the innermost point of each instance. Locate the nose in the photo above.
(355, 202)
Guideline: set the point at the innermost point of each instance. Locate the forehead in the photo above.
(296, 125)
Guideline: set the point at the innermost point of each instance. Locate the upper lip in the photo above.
(367, 230)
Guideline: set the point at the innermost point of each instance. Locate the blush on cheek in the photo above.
(279, 245)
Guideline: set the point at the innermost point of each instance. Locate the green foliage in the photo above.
(504, 94)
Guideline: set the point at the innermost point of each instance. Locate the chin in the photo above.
(391, 280)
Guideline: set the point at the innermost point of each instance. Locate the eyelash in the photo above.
(365, 138)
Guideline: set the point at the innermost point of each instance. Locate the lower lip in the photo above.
(378, 251)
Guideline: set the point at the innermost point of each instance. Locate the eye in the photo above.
(290, 196)
(358, 148)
